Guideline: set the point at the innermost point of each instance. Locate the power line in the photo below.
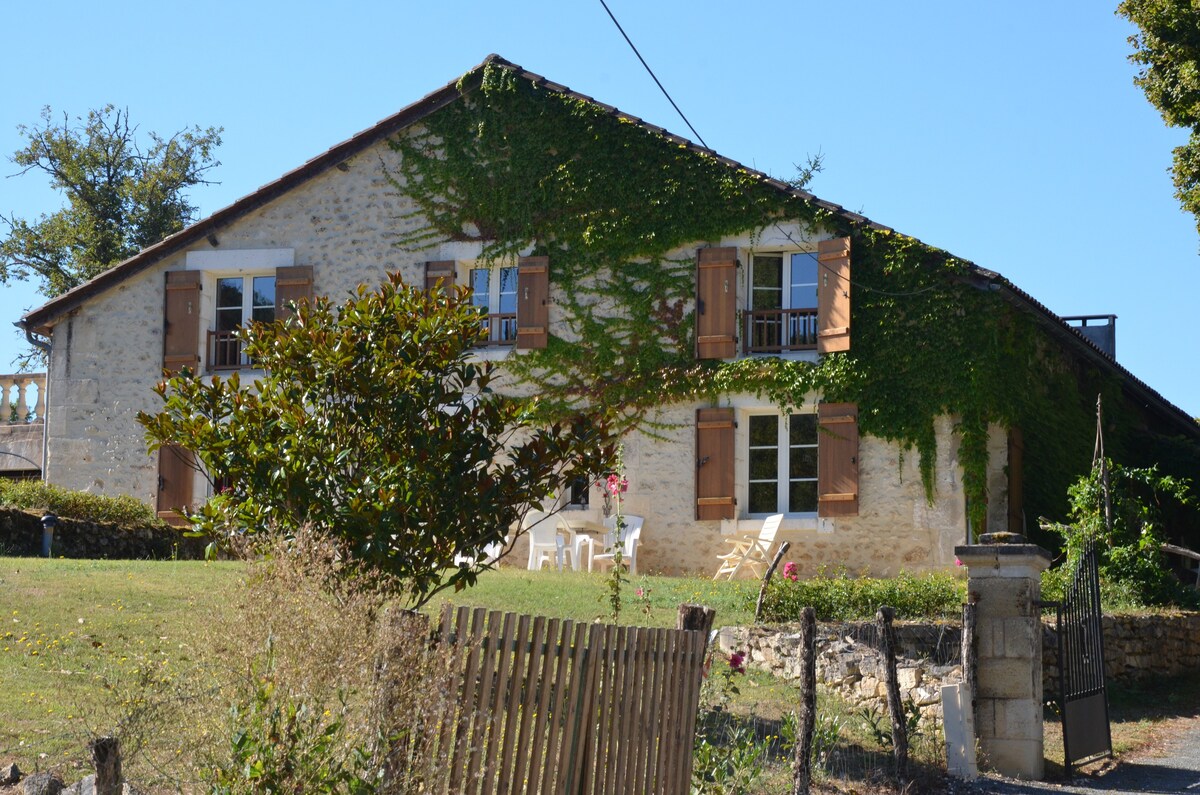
(651, 73)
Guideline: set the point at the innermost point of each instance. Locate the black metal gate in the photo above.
(1083, 699)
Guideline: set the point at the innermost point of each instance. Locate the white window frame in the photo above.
(506, 337)
(783, 449)
(785, 300)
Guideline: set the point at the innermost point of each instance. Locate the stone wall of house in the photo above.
(107, 355)
(848, 663)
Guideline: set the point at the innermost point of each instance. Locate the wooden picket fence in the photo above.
(554, 706)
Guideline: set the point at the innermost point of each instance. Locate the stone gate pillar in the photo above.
(1005, 580)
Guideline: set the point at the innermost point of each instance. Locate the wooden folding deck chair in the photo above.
(751, 551)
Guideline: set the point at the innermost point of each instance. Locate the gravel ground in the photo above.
(1170, 767)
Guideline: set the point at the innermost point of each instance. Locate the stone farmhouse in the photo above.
(779, 354)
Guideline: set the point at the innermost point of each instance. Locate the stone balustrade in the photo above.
(24, 398)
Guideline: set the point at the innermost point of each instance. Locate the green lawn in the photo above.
(79, 638)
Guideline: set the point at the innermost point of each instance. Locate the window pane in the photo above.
(764, 430)
(764, 464)
(764, 497)
(767, 292)
(479, 283)
(263, 314)
(803, 429)
(229, 319)
(803, 286)
(803, 462)
(508, 290)
(264, 291)
(229, 293)
(802, 496)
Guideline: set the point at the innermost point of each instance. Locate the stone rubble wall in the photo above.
(21, 534)
(848, 663)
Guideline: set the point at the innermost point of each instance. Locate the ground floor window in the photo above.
(782, 458)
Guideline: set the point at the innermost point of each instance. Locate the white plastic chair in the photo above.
(545, 542)
(630, 536)
(752, 551)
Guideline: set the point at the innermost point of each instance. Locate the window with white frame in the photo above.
(782, 459)
(783, 302)
(239, 300)
(494, 293)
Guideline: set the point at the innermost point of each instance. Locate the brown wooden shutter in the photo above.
(175, 474)
(833, 295)
(439, 269)
(533, 302)
(716, 303)
(837, 459)
(714, 464)
(292, 285)
(1016, 481)
(181, 321)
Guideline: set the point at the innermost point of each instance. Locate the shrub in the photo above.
(840, 597)
(38, 496)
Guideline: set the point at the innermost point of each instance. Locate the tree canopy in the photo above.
(1167, 49)
(374, 421)
(120, 196)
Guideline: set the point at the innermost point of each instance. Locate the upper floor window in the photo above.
(782, 459)
(239, 300)
(783, 302)
(494, 293)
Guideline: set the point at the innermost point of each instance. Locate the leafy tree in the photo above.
(1130, 553)
(1168, 51)
(119, 197)
(374, 422)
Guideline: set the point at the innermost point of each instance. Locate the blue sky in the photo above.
(1007, 133)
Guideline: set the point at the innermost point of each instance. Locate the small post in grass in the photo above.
(806, 718)
(697, 617)
(106, 758)
(887, 642)
(762, 589)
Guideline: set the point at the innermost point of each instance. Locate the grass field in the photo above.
(80, 639)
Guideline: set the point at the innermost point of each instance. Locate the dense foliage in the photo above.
(1133, 566)
(837, 596)
(35, 495)
(374, 423)
(519, 168)
(1167, 50)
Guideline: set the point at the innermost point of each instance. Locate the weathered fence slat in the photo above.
(562, 707)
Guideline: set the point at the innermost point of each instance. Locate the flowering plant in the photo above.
(790, 571)
(612, 487)
(737, 662)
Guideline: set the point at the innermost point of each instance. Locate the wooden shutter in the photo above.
(714, 464)
(175, 474)
(181, 321)
(833, 295)
(292, 285)
(439, 269)
(533, 302)
(716, 303)
(837, 459)
(1016, 481)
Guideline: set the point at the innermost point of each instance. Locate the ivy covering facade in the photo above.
(521, 168)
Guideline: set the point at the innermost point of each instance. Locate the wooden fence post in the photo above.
(106, 758)
(806, 719)
(887, 640)
(696, 617)
(762, 589)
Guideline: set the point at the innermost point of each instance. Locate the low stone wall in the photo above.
(848, 663)
(1135, 647)
(21, 534)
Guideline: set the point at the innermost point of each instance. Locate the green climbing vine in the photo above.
(522, 169)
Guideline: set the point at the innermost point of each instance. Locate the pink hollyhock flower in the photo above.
(789, 571)
(640, 592)
(617, 484)
(957, 562)
(737, 662)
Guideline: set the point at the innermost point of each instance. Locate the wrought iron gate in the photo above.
(1083, 699)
